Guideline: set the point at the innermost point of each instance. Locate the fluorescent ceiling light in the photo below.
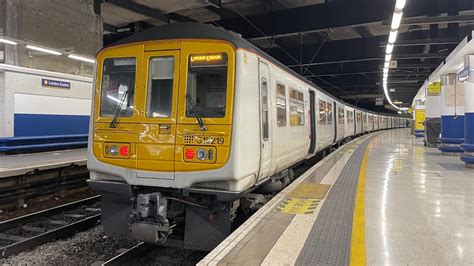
(44, 50)
(385, 75)
(389, 49)
(386, 65)
(400, 4)
(8, 41)
(396, 20)
(388, 57)
(393, 36)
(385, 70)
(81, 58)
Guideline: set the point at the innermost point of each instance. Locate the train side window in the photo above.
(329, 113)
(349, 116)
(281, 105)
(296, 108)
(160, 86)
(340, 115)
(264, 99)
(322, 112)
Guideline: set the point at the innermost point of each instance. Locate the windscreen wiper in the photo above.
(113, 124)
(196, 113)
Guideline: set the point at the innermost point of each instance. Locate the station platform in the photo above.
(382, 199)
(20, 164)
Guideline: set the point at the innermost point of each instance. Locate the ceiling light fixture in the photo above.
(397, 20)
(400, 4)
(81, 58)
(389, 49)
(8, 41)
(44, 50)
(388, 57)
(392, 37)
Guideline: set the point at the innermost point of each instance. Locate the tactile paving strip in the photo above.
(329, 241)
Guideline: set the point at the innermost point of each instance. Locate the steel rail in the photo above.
(128, 255)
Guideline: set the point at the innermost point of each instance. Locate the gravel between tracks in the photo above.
(84, 248)
(92, 246)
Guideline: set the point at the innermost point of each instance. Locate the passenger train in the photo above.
(189, 121)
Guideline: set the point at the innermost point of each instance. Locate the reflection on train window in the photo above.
(358, 117)
(281, 105)
(207, 85)
(296, 108)
(364, 118)
(340, 115)
(322, 112)
(329, 113)
(160, 87)
(118, 87)
(371, 118)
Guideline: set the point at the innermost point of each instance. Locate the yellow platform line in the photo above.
(358, 256)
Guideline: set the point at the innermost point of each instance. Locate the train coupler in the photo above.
(149, 222)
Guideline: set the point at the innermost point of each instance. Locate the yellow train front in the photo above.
(161, 135)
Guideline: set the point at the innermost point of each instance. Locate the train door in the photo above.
(312, 116)
(265, 121)
(156, 140)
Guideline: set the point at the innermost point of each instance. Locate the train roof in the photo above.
(193, 30)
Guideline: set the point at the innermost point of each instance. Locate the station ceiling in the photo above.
(337, 44)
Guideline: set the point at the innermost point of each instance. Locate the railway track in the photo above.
(41, 227)
(131, 254)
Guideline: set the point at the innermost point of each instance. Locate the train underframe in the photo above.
(192, 219)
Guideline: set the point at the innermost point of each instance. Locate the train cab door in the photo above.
(265, 121)
(156, 139)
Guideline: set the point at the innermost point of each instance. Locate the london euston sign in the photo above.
(55, 83)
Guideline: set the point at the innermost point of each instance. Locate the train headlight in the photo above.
(201, 154)
(114, 150)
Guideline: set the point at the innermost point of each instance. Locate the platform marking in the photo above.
(358, 255)
(303, 199)
(298, 206)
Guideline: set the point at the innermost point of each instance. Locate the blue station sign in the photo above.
(55, 83)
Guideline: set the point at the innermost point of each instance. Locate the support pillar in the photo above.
(452, 115)
(468, 146)
(433, 114)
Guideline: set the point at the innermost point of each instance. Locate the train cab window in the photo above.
(117, 87)
(207, 85)
(296, 108)
(281, 105)
(329, 113)
(160, 87)
(322, 112)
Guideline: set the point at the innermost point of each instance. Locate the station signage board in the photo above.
(55, 83)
